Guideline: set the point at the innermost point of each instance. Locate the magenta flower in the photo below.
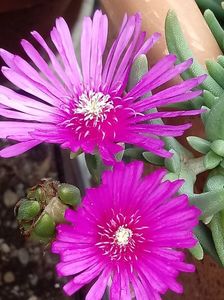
(86, 107)
(126, 235)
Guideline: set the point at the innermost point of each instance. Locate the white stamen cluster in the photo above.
(94, 106)
(122, 236)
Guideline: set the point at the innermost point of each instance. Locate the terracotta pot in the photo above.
(154, 13)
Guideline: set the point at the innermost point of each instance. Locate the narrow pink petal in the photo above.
(30, 86)
(155, 281)
(177, 70)
(59, 246)
(86, 41)
(115, 289)
(70, 288)
(23, 68)
(62, 40)
(7, 57)
(140, 291)
(148, 44)
(97, 291)
(98, 43)
(162, 130)
(20, 66)
(126, 62)
(152, 101)
(28, 117)
(165, 114)
(161, 271)
(112, 50)
(123, 39)
(148, 143)
(181, 88)
(73, 255)
(109, 151)
(18, 148)
(155, 72)
(70, 268)
(125, 286)
(55, 63)
(41, 64)
(8, 128)
(14, 100)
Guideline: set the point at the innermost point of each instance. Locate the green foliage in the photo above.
(211, 202)
(178, 45)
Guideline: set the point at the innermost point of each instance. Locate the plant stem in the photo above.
(196, 165)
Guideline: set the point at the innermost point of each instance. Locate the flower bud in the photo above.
(173, 163)
(45, 226)
(152, 158)
(199, 144)
(69, 194)
(28, 210)
(44, 191)
(44, 208)
(39, 195)
(215, 182)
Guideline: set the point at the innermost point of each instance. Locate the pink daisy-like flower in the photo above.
(86, 107)
(126, 235)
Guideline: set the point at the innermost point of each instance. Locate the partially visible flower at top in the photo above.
(85, 107)
(127, 235)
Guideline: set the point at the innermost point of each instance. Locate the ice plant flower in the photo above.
(127, 235)
(85, 106)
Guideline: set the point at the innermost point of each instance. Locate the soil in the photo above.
(26, 269)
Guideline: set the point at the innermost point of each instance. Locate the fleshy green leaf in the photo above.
(138, 69)
(204, 236)
(211, 160)
(218, 235)
(218, 147)
(95, 166)
(177, 44)
(209, 99)
(209, 203)
(214, 5)
(197, 251)
(214, 125)
(173, 163)
(216, 71)
(135, 153)
(215, 182)
(214, 26)
(199, 144)
(154, 159)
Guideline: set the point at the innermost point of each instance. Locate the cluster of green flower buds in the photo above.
(44, 207)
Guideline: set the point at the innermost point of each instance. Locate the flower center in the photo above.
(123, 235)
(94, 106)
